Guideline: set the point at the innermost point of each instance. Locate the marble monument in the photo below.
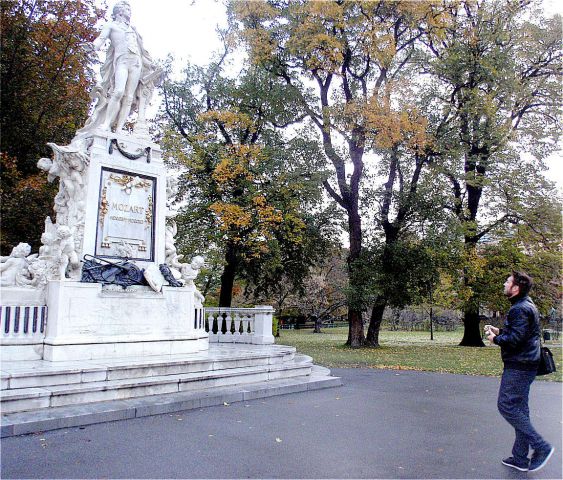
(113, 205)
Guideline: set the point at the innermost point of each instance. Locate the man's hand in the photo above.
(490, 328)
(491, 333)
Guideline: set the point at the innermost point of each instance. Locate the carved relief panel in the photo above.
(126, 212)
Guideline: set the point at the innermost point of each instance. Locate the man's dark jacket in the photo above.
(519, 339)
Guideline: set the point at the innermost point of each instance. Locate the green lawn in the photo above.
(406, 351)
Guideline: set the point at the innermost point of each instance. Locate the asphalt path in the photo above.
(379, 424)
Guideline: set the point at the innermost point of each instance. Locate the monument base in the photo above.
(97, 351)
(23, 352)
(88, 321)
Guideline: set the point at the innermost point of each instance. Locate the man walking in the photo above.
(519, 340)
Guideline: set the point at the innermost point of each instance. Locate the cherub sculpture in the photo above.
(14, 268)
(65, 252)
(48, 239)
(191, 270)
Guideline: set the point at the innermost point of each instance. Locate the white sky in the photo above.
(186, 28)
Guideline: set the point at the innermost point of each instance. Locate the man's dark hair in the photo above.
(523, 281)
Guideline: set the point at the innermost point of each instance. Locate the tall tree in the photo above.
(494, 79)
(533, 246)
(247, 188)
(45, 78)
(341, 58)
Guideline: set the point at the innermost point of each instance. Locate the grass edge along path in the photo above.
(402, 350)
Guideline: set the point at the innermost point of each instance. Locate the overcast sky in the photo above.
(186, 29)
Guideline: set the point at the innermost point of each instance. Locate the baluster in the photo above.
(228, 323)
(245, 323)
(236, 326)
(223, 323)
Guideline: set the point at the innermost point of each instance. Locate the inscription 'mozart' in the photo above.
(125, 215)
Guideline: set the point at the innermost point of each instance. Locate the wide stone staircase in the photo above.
(39, 395)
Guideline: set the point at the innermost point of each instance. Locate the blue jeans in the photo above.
(513, 406)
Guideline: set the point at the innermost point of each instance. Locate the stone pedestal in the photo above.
(88, 321)
(118, 211)
(125, 207)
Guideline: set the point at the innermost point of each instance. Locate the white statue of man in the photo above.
(14, 268)
(126, 72)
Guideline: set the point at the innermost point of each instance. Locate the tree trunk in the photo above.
(472, 330)
(228, 276)
(372, 339)
(318, 324)
(356, 336)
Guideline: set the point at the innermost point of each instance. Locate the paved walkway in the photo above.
(380, 424)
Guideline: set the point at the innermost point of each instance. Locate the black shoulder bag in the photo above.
(547, 365)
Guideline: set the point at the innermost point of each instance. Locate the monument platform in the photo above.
(41, 395)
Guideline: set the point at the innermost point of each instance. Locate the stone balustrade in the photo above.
(23, 324)
(22, 331)
(23, 327)
(240, 325)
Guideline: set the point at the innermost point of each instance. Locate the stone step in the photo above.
(42, 374)
(31, 398)
(91, 413)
